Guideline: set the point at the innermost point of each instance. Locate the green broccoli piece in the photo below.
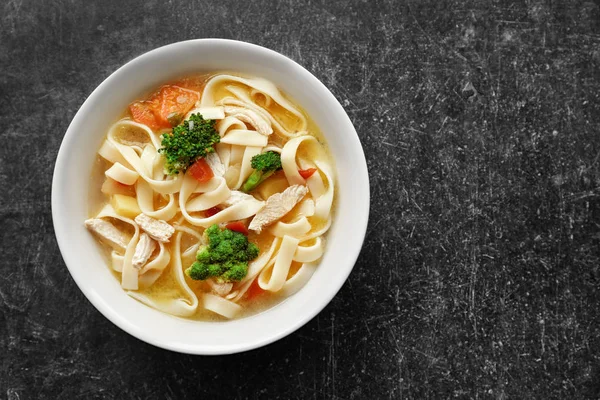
(200, 271)
(252, 251)
(226, 257)
(264, 165)
(203, 255)
(188, 142)
(236, 271)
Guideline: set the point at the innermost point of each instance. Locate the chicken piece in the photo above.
(220, 289)
(156, 229)
(214, 162)
(143, 250)
(237, 197)
(277, 206)
(261, 125)
(107, 232)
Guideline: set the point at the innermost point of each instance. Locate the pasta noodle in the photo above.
(252, 117)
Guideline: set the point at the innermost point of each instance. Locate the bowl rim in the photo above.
(61, 234)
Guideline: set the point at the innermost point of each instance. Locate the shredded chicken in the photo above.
(214, 162)
(107, 232)
(220, 289)
(156, 229)
(277, 206)
(246, 115)
(143, 250)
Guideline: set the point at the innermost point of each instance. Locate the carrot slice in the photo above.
(212, 211)
(237, 226)
(307, 173)
(254, 290)
(175, 102)
(164, 108)
(143, 113)
(201, 171)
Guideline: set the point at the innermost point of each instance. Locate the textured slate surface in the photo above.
(480, 275)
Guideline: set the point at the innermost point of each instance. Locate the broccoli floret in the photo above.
(203, 255)
(188, 142)
(226, 257)
(222, 252)
(264, 165)
(197, 271)
(236, 271)
(239, 243)
(252, 251)
(213, 233)
(201, 271)
(269, 161)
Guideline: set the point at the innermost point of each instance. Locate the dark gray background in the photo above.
(479, 277)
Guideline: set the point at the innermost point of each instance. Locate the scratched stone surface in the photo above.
(480, 274)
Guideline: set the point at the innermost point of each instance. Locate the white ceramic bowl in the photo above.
(70, 188)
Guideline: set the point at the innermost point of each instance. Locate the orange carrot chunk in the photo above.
(254, 290)
(175, 103)
(212, 211)
(142, 112)
(165, 108)
(201, 171)
(237, 226)
(307, 173)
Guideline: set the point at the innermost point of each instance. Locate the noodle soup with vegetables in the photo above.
(213, 197)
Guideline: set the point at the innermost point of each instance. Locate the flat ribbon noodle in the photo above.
(299, 279)
(208, 186)
(237, 154)
(256, 85)
(155, 267)
(248, 101)
(296, 282)
(281, 266)
(210, 198)
(254, 93)
(145, 193)
(306, 208)
(309, 253)
(220, 305)
(229, 123)
(207, 113)
(154, 138)
(164, 186)
(122, 174)
(183, 307)
(317, 232)
(254, 268)
(191, 251)
(323, 197)
(110, 152)
(117, 261)
(294, 229)
(129, 274)
(236, 212)
(151, 271)
(224, 152)
(244, 137)
(159, 262)
(245, 144)
(246, 167)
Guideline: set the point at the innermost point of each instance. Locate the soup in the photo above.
(212, 197)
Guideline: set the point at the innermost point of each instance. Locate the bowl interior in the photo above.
(74, 167)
